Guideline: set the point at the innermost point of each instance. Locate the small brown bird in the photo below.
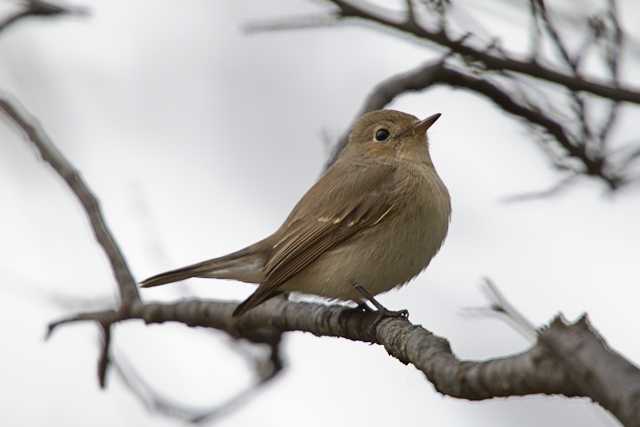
(371, 223)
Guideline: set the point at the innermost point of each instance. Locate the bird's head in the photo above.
(390, 133)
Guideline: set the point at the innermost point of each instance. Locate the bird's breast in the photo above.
(405, 246)
(390, 253)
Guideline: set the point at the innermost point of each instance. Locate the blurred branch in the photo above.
(155, 402)
(567, 359)
(545, 368)
(554, 189)
(501, 307)
(128, 290)
(39, 8)
(514, 84)
(36, 135)
(299, 22)
(570, 18)
(439, 73)
(105, 358)
(364, 11)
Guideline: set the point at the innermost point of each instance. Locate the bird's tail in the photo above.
(244, 265)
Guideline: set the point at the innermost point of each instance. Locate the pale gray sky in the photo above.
(198, 139)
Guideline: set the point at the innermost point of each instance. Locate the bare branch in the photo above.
(540, 11)
(566, 359)
(536, 33)
(613, 381)
(614, 49)
(364, 11)
(40, 8)
(407, 342)
(104, 360)
(439, 73)
(411, 12)
(501, 305)
(553, 190)
(501, 308)
(266, 366)
(562, 368)
(579, 105)
(291, 23)
(155, 402)
(128, 289)
(37, 136)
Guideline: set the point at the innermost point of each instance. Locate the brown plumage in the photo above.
(375, 218)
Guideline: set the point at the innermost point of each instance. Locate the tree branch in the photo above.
(129, 295)
(40, 8)
(406, 342)
(36, 135)
(612, 381)
(364, 11)
(554, 365)
(155, 402)
(439, 73)
(566, 359)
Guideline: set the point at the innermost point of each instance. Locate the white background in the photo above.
(198, 139)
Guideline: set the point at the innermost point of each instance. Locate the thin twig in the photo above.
(105, 359)
(364, 11)
(292, 23)
(36, 135)
(439, 73)
(543, 194)
(502, 305)
(155, 402)
(40, 8)
(266, 366)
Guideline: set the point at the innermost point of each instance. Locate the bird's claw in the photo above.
(398, 314)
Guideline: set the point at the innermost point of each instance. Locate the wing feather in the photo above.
(326, 217)
(349, 198)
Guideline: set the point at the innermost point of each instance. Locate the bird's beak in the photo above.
(425, 124)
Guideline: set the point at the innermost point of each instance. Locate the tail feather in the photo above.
(168, 277)
(260, 295)
(245, 265)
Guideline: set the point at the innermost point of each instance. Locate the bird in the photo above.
(372, 222)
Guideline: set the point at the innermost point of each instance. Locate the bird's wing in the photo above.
(346, 200)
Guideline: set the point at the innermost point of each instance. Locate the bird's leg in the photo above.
(381, 309)
(362, 307)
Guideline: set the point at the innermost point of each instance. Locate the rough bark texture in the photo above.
(568, 359)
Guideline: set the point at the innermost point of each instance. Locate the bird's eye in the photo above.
(382, 135)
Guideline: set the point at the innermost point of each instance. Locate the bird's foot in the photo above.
(380, 309)
(360, 308)
(401, 314)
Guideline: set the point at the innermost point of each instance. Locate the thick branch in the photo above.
(531, 372)
(562, 367)
(36, 135)
(612, 380)
(351, 10)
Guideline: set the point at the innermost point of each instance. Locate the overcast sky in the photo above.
(199, 139)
